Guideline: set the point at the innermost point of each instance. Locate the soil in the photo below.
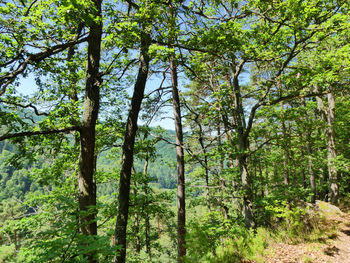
(333, 249)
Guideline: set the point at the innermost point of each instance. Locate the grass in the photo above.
(311, 227)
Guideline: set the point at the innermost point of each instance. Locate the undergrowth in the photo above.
(213, 239)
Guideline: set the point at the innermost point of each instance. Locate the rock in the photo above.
(328, 209)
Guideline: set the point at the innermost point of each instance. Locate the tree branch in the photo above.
(33, 133)
(9, 77)
(25, 106)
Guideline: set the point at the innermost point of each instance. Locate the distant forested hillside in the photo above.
(15, 182)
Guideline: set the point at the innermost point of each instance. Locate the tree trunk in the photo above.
(285, 156)
(332, 155)
(329, 116)
(311, 171)
(128, 150)
(243, 147)
(147, 221)
(206, 168)
(181, 205)
(137, 222)
(222, 182)
(310, 162)
(86, 182)
(16, 242)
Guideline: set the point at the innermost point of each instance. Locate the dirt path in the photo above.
(335, 249)
(342, 242)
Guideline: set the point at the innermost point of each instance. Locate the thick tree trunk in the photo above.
(86, 182)
(243, 148)
(128, 150)
(329, 116)
(248, 194)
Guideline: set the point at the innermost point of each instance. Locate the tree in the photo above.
(181, 197)
(129, 141)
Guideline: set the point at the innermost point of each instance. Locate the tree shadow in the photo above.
(346, 231)
(331, 251)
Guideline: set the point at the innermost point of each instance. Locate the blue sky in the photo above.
(28, 87)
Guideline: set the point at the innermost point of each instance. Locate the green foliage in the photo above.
(7, 253)
(253, 68)
(248, 246)
(205, 235)
(290, 217)
(214, 239)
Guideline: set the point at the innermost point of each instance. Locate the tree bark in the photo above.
(285, 156)
(310, 162)
(86, 182)
(147, 221)
(137, 221)
(332, 154)
(329, 116)
(206, 168)
(243, 148)
(128, 149)
(181, 204)
(221, 182)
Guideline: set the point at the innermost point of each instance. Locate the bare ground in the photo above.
(333, 249)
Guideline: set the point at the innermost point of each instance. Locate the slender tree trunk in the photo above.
(181, 205)
(86, 182)
(128, 150)
(310, 162)
(147, 220)
(137, 222)
(206, 168)
(16, 242)
(285, 149)
(303, 173)
(158, 225)
(332, 155)
(207, 194)
(221, 179)
(311, 172)
(148, 232)
(261, 177)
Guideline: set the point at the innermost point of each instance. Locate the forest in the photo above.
(257, 92)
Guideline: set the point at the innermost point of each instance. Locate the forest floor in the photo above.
(329, 248)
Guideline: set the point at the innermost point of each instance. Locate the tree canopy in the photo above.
(259, 91)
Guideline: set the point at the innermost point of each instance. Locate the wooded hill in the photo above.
(260, 87)
(15, 181)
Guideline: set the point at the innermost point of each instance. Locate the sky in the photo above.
(28, 87)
